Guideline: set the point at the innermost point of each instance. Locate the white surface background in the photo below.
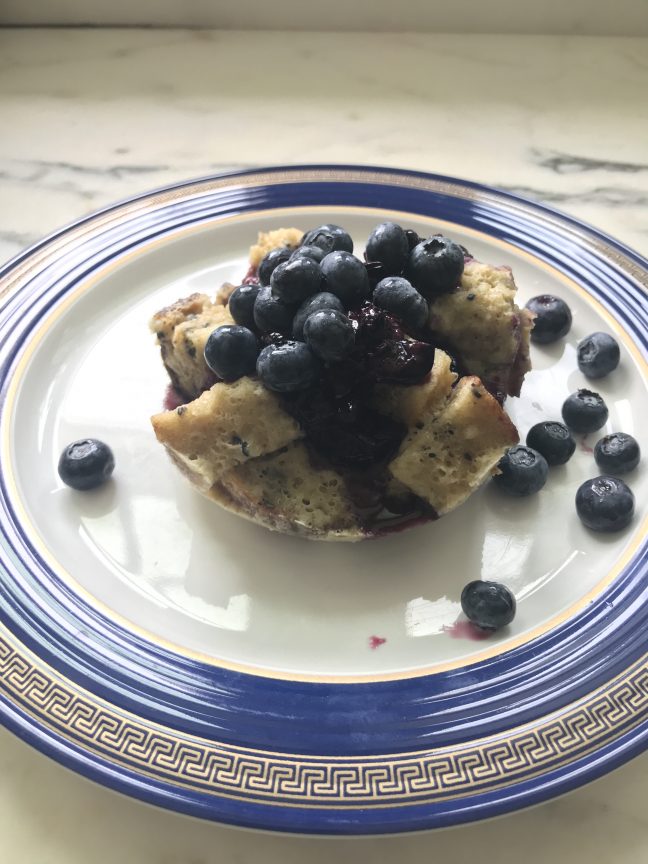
(88, 117)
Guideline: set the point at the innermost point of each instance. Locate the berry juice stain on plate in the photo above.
(376, 642)
(463, 629)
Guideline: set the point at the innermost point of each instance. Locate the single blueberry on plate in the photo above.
(231, 351)
(346, 277)
(605, 504)
(329, 334)
(272, 260)
(400, 297)
(553, 440)
(388, 244)
(553, 318)
(86, 464)
(329, 237)
(598, 355)
(314, 252)
(523, 471)
(288, 367)
(323, 300)
(241, 304)
(617, 453)
(489, 605)
(295, 280)
(435, 266)
(270, 314)
(584, 411)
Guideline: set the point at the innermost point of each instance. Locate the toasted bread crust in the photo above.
(482, 321)
(453, 451)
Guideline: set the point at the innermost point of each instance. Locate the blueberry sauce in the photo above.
(172, 399)
(252, 276)
(344, 431)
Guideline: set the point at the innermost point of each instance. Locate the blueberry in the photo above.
(398, 296)
(315, 253)
(553, 318)
(553, 440)
(288, 367)
(598, 355)
(294, 281)
(272, 260)
(270, 315)
(435, 266)
(388, 244)
(523, 471)
(323, 300)
(346, 277)
(617, 453)
(489, 605)
(329, 334)
(86, 464)
(413, 238)
(231, 351)
(330, 238)
(605, 504)
(241, 304)
(584, 411)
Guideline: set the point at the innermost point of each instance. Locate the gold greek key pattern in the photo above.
(221, 769)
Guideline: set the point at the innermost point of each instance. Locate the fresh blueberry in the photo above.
(323, 300)
(553, 440)
(231, 351)
(617, 453)
(329, 334)
(388, 244)
(346, 277)
(398, 296)
(523, 471)
(584, 411)
(270, 315)
(241, 304)
(435, 266)
(553, 318)
(315, 253)
(86, 464)
(413, 238)
(288, 367)
(330, 238)
(294, 281)
(272, 260)
(489, 605)
(605, 504)
(598, 355)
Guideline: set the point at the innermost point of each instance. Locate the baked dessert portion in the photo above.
(485, 327)
(388, 409)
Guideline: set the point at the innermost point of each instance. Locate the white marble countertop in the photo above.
(93, 116)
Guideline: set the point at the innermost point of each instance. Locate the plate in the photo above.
(168, 649)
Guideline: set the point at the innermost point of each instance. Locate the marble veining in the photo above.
(89, 117)
(566, 163)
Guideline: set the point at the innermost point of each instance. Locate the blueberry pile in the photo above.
(604, 503)
(306, 311)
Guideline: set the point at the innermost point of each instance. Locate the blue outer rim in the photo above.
(312, 718)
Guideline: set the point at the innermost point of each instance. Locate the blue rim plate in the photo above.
(327, 755)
